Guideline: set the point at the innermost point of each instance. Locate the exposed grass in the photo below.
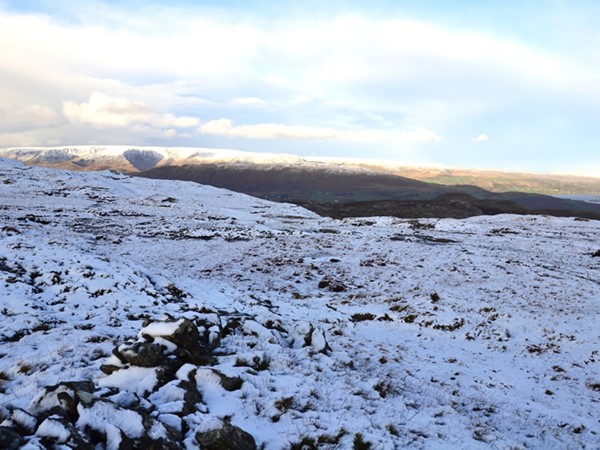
(359, 443)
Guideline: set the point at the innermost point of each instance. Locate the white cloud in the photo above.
(103, 110)
(250, 101)
(267, 131)
(225, 127)
(27, 118)
(480, 138)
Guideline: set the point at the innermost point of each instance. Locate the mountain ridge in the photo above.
(323, 185)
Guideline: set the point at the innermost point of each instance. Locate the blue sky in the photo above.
(496, 84)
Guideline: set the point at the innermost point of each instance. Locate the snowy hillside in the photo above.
(138, 313)
(136, 158)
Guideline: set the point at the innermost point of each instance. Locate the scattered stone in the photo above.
(150, 389)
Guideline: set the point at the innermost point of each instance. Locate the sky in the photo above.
(496, 84)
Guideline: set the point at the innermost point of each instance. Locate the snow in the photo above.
(506, 354)
(113, 437)
(138, 380)
(161, 328)
(103, 416)
(51, 427)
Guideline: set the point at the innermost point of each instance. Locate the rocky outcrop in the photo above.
(149, 389)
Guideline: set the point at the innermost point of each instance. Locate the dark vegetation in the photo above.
(352, 193)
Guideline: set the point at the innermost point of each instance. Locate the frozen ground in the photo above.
(478, 333)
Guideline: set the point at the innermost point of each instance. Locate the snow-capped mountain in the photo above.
(138, 313)
(334, 188)
(137, 158)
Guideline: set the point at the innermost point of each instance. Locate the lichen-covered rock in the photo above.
(228, 437)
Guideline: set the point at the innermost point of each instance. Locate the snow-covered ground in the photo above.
(478, 333)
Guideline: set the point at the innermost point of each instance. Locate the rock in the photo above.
(61, 399)
(229, 383)
(304, 334)
(24, 422)
(332, 285)
(117, 440)
(68, 404)
(109, 368)
(209, 329)
(596, 254)
(229, 437)
(157, 437)
(10, 439)
(186, 337)
(55, 430)
(189, 345)
(143, 354)
(178, 396)
(98, 419)
(191, 397)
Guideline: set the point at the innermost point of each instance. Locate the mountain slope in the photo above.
(471, 333)
(327, 186)
(355, 192)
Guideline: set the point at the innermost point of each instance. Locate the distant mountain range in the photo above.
(337, 188)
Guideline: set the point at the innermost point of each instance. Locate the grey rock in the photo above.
(143, 354)
(189, 345)
(229, 437)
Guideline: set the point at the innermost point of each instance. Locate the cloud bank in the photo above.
(101, 110)
(188, 76)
